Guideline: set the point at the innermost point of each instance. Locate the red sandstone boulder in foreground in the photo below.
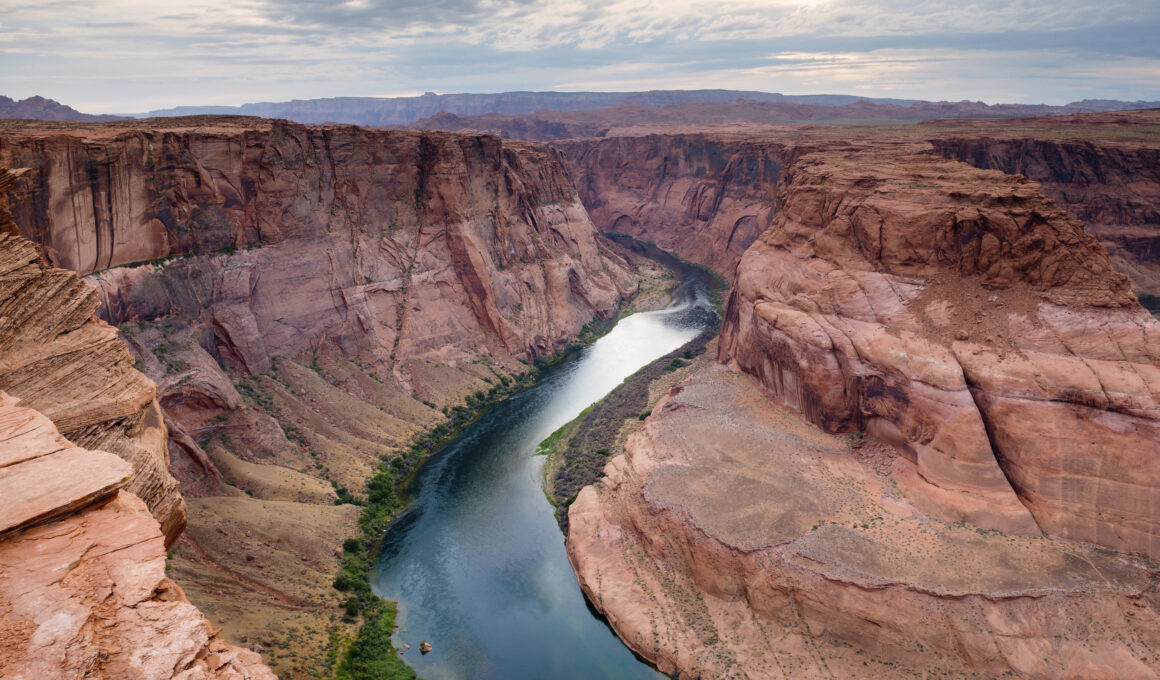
(83, 591)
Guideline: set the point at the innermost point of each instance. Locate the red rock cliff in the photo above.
(58, 358)
(701, 196)
(306, 299)
(83, 590)
(1102, 168)
(996, 381)
(962, 317)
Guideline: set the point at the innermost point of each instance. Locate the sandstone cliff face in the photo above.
(83, 591)
(961, 317)
(732, 539)
(998, 389)
(1112, 186)
(373, 238)
(58, 358)
(306, 299)
(703, 197)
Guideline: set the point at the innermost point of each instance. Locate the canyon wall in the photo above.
(996, 388)
(703, 197)
(960, 316)
(83, 590)
(307, 299)
(733, 539)
(1113, 186)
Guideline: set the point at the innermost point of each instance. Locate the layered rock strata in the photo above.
(416, 244)
(961, 317)
(307, 299)
(705, 197)
(733, 539)
(1100, 168)
(83, 591)
(58, 358)
(997, 389)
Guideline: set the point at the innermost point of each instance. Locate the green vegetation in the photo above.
(586, 443)
(172, 365)
(371, 654)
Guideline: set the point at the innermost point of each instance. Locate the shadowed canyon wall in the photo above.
(702, 197)
(1114, 188)
(307, 299)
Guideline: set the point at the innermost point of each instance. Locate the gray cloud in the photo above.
(132, 55)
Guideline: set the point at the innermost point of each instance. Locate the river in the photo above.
(477, 564)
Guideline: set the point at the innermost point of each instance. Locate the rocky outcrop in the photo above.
(996, 387)
(306, 300)
(83, 591)
(961, 317)
(58, 358)
(732, 539)
(704, 197)
(1095, 168)
(389, 242)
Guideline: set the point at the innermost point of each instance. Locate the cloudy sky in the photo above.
(133, 55)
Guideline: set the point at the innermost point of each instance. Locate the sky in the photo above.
(122, 56)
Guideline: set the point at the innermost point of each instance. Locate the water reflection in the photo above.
(478, 565)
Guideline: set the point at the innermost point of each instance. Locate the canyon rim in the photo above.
(556, 372)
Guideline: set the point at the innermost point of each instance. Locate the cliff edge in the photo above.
(83, 590)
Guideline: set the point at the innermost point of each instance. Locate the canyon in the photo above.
(306, 300)
(928, 442)
(83, 532)
(937, 413)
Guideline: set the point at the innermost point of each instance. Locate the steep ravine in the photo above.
(307, 299)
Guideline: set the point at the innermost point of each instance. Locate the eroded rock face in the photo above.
(995, 382)
(83, 591)
(321, 294)
(961, 317)
(87, 596)
(732, 539)
(1094, 167)
(58, 358)
(383, 242)
(703, 197)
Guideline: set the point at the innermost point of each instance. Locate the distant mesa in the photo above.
(40, 108)
(399, 111)
(538, 109)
